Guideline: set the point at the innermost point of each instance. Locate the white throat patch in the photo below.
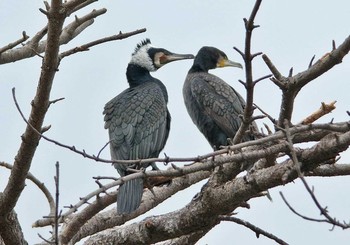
(142, 58)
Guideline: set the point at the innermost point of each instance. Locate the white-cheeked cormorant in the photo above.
(138, 120)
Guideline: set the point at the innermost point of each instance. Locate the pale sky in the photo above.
(291, 33)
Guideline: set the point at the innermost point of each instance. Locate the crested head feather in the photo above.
(141, 44)
(141, 57)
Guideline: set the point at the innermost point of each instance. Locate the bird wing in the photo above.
(219, 101)
(138, 122)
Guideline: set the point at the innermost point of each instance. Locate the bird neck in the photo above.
(200, 66)
(197, 68)
(137, 75)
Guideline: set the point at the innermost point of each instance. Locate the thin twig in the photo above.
(252, 227)
(45, 240)
(341, 127)
(300, 215)
(273, 69)
(262, 78)
(100, 151)
(249, 84)
(290, 74)
(311, 61)
(57, 182)
(297, 166)
(56, 100)
(266, 114)
(85, 47)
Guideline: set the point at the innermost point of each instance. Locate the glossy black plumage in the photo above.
(213, 105)
(138, 120)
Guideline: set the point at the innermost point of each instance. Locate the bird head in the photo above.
(211, 58)
(151, 58)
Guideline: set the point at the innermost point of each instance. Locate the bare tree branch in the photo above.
(323, 110)
(79, 24)
(291, 86)
(30, 139)
(186, 239)
(258, 231)
(249, 84)
(57, 215)
(330, 170)
(224, 191)
(14, 44)
(73, 7)
(331, 221)
(221, 199)
(34, 46)
(10, 229)
(297, 167)
(39, 184)
(85, 47)
(110, 218)
(340, 127)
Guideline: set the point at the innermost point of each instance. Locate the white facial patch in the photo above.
(142, 58)
(157, 58)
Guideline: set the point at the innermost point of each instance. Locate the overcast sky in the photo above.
(291, 33)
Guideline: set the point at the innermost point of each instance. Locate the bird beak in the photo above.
(225, 62)
(167, 58)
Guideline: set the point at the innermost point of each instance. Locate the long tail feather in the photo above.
(129, 196)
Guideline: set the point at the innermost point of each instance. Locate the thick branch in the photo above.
(110, 218)
(30, 139)
(186, 239)
(215, 200)
(40, 104)
(10, 229)
(330, 170)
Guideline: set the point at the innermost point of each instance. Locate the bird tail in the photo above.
(129, 196)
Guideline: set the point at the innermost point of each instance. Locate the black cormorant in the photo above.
(138, 120)
(214, 106)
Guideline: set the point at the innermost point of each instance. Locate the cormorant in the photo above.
(138, 120)
(213, 105)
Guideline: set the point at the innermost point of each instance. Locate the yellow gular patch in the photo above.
(221, 62)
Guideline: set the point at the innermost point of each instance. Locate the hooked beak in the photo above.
(167, 58)
(225, 62)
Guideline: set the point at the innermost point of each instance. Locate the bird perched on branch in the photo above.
(214, 106)
(138, 120)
